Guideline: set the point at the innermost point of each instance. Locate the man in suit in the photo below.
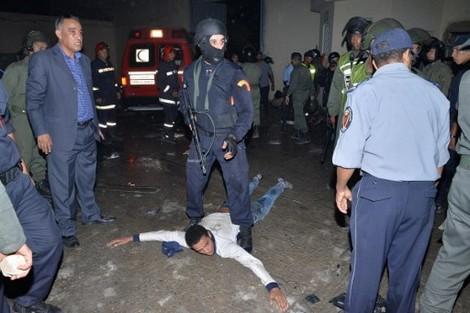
(62, 113)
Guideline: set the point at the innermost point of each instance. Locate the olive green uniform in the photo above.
(300, 88)
(452, 265)
(14, 80)
(346, 77)
(440, 74)
(253, 75)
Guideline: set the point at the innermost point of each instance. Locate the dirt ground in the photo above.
(299, 242)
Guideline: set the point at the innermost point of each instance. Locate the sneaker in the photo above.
(258, 176)
(40, 307)
(286, 184)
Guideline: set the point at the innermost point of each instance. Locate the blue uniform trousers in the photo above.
(391, 223)
(43, 238)
(72, 176)
(235, 173)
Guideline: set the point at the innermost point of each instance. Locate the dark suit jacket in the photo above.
(51, 97)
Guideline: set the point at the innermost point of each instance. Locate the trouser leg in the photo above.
(299, 115)
(452, 265)
(61, 173)
(196, 181)
(85, 173)
(4, 307)
(42, 236)
(375, 209)
(235, 172)
(408, 247)
(263, 205)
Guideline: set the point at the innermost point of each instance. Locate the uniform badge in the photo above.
(244, 84)
(347, 119)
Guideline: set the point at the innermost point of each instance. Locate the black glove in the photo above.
(231, 145)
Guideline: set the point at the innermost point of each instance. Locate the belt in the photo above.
(465, 161)
(84, 123)
(9, 175)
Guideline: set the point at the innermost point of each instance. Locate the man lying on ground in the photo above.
(215, 234)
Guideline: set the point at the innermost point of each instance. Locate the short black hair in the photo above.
(296, 55)
(60, 20)
(194, 234)
(391, 56)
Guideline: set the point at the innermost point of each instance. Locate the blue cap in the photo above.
(393, 39)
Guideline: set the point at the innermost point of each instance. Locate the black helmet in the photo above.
(204, 30)
(355, 24)
(249, 54)
(333, 55)
(438, 46)
(208, 27)
(32, 37)
(377, 28)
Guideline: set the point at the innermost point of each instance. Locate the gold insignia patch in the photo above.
(244, 84)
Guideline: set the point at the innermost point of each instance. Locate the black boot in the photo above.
(244, 239)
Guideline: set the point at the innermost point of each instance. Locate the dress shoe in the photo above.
(101, 220)
(193, 221)
(40, 307)
(70, 241)
(244, 239)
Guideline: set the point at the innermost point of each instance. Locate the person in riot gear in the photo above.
(436, 70)
(352, 68)
(14, 80)
(420, 38)
(167, 82)
(107, 94)
(253, 75)
(216, 99)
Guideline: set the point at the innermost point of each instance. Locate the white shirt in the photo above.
(225, 237)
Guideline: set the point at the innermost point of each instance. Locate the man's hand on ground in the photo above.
(45, 143)
(119, 241)
(343, 195)
(276, 295)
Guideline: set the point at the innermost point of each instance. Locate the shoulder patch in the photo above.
(244, 84)
(347, 119)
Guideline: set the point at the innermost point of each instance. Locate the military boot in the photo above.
(302, 139)
(244, 239)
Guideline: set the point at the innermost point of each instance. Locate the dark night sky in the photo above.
(243, 16)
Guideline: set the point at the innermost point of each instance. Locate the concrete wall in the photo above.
(288, 26)
(454, 11)
(14, 26)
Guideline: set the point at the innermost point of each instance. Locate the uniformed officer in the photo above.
(220, 94)
(37, 219)
(168, 84)
(436, 70)
(401, 157)
(420, 38)
(300, 89)
(107, 94)
(253, 75)
(351, 70)
(452, 267)
(14, 80)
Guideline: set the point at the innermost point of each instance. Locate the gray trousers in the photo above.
(452, 265)
(72, 177)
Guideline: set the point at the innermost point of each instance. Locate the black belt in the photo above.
(84, 123)
(9, 175)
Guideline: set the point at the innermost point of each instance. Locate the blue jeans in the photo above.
(263, 205)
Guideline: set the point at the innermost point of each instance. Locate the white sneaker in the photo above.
(112, 156)
(285, 183)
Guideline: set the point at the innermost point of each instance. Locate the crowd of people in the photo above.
(401, 117)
